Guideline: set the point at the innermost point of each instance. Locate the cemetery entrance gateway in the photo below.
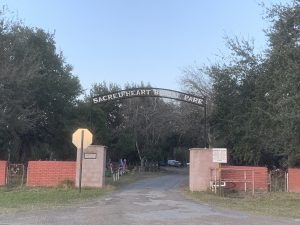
(156, 92)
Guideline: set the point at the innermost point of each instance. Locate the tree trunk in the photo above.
(139, 153)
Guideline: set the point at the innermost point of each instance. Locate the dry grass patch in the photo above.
(33, 198)
(278, 204)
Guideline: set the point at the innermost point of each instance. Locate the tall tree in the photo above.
(38, 93)
(255, 97)
(282, 79)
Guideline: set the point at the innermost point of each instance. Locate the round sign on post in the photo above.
(77, 138)
(81, 138)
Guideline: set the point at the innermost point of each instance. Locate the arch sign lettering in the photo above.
(151, 92)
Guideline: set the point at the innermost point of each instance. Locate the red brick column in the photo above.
(294, 180)
(2, 172)
(201, 163)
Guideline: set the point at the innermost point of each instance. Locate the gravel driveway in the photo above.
(153, 201)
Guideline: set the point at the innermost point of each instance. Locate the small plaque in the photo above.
(220, 155)
(90, 155)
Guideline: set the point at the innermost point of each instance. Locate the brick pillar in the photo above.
(200, 165)
(93, 166)
(2, 173)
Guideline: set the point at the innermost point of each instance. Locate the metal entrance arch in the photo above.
(156, 92)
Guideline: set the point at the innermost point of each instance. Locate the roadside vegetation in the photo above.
(281, 204)
(12, 199)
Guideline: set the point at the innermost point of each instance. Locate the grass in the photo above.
(32, 198)
(275, 204)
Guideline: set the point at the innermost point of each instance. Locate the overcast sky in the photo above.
(129, 41)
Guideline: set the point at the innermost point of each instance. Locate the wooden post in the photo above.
(220, 191)
(287, 182)
(253, 184)
(216, 180)
(245, 179)
(81, 157)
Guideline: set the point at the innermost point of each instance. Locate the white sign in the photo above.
(84, 136)
(90, 155)
(220, 155)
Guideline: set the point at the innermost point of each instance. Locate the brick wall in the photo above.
(294, 180)
(240, 173)
(2, 172)
(50, 173)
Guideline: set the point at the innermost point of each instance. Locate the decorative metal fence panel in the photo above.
(277, 180)
(16, 174)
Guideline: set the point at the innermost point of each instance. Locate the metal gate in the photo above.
(16, 174)
(278, 180)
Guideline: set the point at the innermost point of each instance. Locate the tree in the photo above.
(141, 128)
(255, 98)
(106, 121)
(149, 120)
(283, 78)
(37, 94)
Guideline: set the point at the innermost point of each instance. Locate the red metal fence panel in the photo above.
(246, 177)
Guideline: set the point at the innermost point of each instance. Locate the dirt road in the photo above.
(153, 201)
